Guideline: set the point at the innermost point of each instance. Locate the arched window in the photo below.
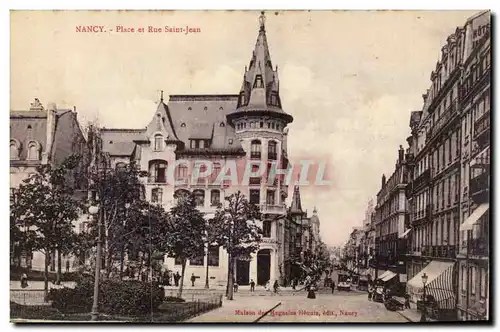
(255, 149)
(271, 150)
(214, 197)
(158, 171)
(33, 151)
(222, 124)
(199, 196)
(156, 195)
(120, 167)
(181, 193)
(14, 150)
(158, 142)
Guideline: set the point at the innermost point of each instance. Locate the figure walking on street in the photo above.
(193, 279)
(276, 286)
(332, 285)
(177, 276)
(252, 286)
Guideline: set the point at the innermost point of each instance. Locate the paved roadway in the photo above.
(340, 307)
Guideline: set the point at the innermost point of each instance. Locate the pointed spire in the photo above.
(296, 206)
(262, 21)
(161, 96)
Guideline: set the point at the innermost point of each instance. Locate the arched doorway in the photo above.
(263, 266)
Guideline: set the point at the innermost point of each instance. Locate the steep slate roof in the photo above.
(120, 142)
(19, 122)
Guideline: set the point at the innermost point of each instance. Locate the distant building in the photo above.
(44, 136)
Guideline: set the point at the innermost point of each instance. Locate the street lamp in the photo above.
(93, 211)
(424, 282)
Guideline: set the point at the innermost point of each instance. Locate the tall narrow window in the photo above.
(270, 198)
(181, 172)
(214, 197)
(199, 196)
(255, 149)
(158, 142)
(213, 256)
(258, 82)
(254, 196)
(473, 280)
(33, 152)
(266, 228)
(156, 195)
(158, 171)
(14, 151)
(271, 150)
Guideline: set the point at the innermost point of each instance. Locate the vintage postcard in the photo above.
(250, 166)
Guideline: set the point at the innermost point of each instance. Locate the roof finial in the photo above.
(262, 21)
(161, 96)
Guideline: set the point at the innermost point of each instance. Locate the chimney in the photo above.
(51, 126)
(383, 180)
(401, 154)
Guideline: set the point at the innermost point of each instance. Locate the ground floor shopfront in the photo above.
(261, 267)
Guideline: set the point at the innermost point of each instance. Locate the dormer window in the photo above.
(222, 124)
(183, 125)
(33, 151)
(158, 142)
(274, 99)
(242, 98)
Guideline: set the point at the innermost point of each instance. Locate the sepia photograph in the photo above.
(250, 166)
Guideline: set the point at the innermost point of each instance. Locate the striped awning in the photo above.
(405, 233)
(439, 284)
(474, 217)
(388, 276)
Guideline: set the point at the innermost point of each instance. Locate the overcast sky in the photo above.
(349, 79)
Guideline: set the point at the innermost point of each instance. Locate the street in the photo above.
(340, 307)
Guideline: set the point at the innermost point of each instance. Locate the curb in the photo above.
(405, 317)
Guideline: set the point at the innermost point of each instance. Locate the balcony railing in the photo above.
(272, 156)
(443, 120)
(272, 209)
(479, 247)
(255, 155)
(482, 125)
(422, 179)
(480, 184)
(157, 179)
(255, 181)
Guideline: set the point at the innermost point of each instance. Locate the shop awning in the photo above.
(405, 233)
(439, 283)
(388, 276)
(474, 217)
(383, 275)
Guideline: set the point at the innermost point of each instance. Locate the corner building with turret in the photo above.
(248, 126)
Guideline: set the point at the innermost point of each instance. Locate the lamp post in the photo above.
(94, 210)
(424, 282)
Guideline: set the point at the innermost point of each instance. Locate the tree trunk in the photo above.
(230, 278)
(46, 277)
(122, 259)
(181, 284)
(59, 267)
(108, 264)
(207, 286)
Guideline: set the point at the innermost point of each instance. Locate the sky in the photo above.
(349, 79)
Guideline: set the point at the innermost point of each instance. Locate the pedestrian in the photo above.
(252, 285)
(24, 280)
(193, 279)
(311, 291)
(67, 266)
(370, 292)
(177, 276)
(293, 283)
(308, 282)
(332, 285)
(267, 287)
(276, 286)
(407, 301)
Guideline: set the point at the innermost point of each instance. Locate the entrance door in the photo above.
(242, 272)
(263, 266)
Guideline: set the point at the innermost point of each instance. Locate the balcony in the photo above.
(422, 216)
(482, 128)
(269, 240)
(480, 159)
(272, 209)
(272, 156)
(255, 155)
(422, 180)
(255, 181)
(479, 247)
(157, 179)
(480, 187)
(442, 121)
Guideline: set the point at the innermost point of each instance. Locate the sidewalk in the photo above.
(239, 310)
(411, 315)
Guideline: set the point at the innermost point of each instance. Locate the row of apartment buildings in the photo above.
(250, 126)
(432, 213)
